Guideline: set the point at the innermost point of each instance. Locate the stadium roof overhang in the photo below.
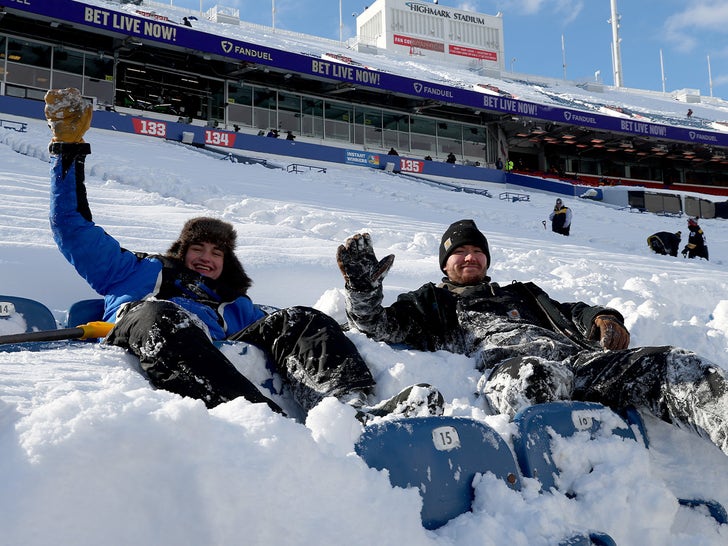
(523, 133)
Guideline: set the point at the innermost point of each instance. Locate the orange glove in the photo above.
(68, 114)
(612, 333)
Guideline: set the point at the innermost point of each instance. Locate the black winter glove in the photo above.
(685, 252)
(359, 265)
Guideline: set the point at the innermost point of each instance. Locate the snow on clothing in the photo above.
(534, 349)
(172, 337)
(664, 242)
(561, 220)
(696, 245)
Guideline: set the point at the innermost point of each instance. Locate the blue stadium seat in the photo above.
(440, 456)
(84, 311)
(35, 315)
(532, 442)
(536, 424)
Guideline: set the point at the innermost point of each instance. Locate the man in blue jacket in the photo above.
(168, 309)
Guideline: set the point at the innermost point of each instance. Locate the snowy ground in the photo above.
(92, 455)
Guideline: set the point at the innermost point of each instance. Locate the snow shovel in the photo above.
(84, 331)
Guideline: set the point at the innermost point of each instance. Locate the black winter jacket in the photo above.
(499, 322)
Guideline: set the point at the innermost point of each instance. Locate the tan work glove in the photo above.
(68, 114)
(612, 334)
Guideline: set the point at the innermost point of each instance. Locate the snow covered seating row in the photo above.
(19, 126)
(511, 196)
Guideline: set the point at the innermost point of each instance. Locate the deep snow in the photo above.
(92, 455)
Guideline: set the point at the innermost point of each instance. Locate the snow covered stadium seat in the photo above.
(536, 425)
(440, 456)
(27, 315)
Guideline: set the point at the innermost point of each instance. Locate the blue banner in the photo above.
(150, 26)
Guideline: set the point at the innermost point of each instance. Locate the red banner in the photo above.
(419, 43)
(411, 165)
(150, 127)
(473, 53)
(219, 138)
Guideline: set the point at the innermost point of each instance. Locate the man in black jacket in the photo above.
(531, 348)
(664, 242)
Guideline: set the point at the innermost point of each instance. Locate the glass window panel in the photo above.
(449, 139)
(423, 136)
(474, 146)
(61, 80)
(240, 94)
(264, 111)
(12, 91)
(289, 112)
(239, 114)
(338, 121)
(368, 127)
(395, 133)
(3, 44)
(101, 89)
(240, 100)
(67, 61)
(312, 117)
(28, 75)
(99, 68)
(29, 53)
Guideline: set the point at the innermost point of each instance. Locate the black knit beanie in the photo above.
(462, 232)
(221, 234)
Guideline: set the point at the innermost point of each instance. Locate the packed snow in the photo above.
(91, 454)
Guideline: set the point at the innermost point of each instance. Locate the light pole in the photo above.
(341, 25)
(616, 51)
(513, 61)
(273, 14)
(710, 77)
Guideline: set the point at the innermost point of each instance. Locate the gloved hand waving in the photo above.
(360, 267)
(612, 335)
(68, 114)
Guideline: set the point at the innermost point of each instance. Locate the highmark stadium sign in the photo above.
(428, 9)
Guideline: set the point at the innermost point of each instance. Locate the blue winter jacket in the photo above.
(122, 276)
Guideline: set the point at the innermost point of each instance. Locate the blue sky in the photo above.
(692, 35)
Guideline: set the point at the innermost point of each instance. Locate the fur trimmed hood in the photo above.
(222, 234)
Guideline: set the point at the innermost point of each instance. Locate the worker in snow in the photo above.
(560, 218)
(697, 245)
(664, 242)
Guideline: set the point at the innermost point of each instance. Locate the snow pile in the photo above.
(92, 455)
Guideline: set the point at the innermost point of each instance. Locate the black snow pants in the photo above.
(673, 384)
(307, 347)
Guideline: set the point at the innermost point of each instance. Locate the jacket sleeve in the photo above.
(566, 316)
(97, 256)
(425, 319)
(583, 316)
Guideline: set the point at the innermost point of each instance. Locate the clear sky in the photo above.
(692, 35)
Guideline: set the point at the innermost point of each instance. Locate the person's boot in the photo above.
(421, 400)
